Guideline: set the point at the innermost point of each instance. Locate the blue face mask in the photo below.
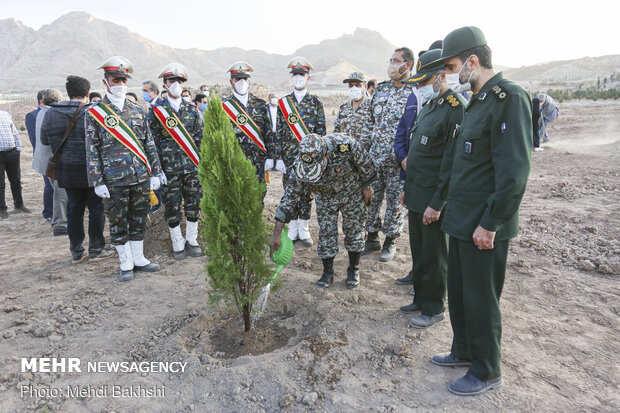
(427, 92)
(147, 96)
(203, 107)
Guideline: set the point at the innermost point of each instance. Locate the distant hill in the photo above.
(77, 43)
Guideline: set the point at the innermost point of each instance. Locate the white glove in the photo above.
(163, 179)
(155, 183)
(280, 166)
(268, 164)
(102, 191)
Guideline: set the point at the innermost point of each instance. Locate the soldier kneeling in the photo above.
(339, 171)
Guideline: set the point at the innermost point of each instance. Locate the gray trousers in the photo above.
(59, 216)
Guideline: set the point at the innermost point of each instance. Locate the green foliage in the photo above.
(22, 128)
(234, 232)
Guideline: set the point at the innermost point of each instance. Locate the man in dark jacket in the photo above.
(71, 171)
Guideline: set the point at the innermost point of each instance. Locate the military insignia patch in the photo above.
(467, 147)
(171, 123)
(453, 101)
(440, 101)
(424, 140)
(378, 109)
(292, 118)
(111, 121)
(343, 147)
(306, 158)
(455, 133)
(499, 92)
(242, 119)
(356, 156)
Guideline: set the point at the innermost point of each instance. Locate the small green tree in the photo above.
(233, 230)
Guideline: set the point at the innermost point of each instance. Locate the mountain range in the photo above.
(77, 43)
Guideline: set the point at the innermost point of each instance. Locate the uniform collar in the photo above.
(484, 92)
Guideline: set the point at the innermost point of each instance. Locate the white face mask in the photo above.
(299, 82)
(242, 86)
(175, 90)
(355, 93)
(205, 92)
(187, 99)
(273, 101)
(118, 91)
(454, 82)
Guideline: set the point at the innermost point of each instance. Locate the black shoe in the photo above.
(389, 248)
(125, 275)
(411, 308)
(353, 271)
(470, 385)
(449, 360)
(3, 214)
(406, 280)
(328, 273)
(150, 267)
(79, 259)
(194, 250)
(22, 209)
(372, 243)
(60, 231)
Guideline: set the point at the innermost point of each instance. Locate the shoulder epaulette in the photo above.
(452, 100)
(499, 92)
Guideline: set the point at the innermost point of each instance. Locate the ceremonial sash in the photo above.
(175, 128)
(293, 119)
(113, 123)
(244, 122)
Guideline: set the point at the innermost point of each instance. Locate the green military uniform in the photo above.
(489, 174)
(429, 163)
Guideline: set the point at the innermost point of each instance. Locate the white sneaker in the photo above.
(539, 149)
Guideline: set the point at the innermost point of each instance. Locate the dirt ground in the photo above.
(336, 350)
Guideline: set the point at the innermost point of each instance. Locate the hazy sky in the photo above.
(524, 33)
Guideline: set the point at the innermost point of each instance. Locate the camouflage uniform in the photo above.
(351, 119)
(386, 108)
(110, 163)
(339, 189)
(183, 186)
(257, 109)
(311, 111)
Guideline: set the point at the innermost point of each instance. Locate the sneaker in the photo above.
(470, 385)
(104, 254)
(425, 321)
(3, 214)
(449, 360)
(80, 259)
(22, 209)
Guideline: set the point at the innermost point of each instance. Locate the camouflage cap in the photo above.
(174, 71)
(240, 70)
(355, 77)
(311, 160)
(460, 40)
(117, 66)
(428, 63)
(299, 65)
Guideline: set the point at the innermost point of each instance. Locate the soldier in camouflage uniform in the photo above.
(118, 174)
(387, 106)
(256, 110)
(340, 172)
(356, 110)
(183, 187)
(310, 109)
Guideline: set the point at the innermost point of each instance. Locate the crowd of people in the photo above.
(453, 164)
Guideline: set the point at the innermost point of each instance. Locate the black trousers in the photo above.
(77, 201)
(9, 163)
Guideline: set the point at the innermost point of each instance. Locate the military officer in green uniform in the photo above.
(176, 126)
(122, 165)
(250, 121)
(353, 113)
(429, 162)
(489, 174)
(340, 172)
(299, 114)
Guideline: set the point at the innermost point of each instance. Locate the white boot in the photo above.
(304, 233)
(293, 233)
(126, 259)
(191, 233)
(178, 243)
(139, 261)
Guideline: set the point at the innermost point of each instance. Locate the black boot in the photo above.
(328, 273)
(389, 248)
(353, 272)
(372, 243)
(406, 280)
